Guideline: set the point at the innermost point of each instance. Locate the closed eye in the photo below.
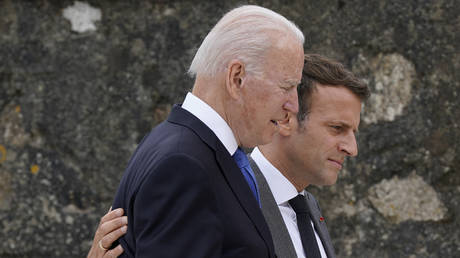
(287, 88)
(336, 127)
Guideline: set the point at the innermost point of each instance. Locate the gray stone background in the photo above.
(82, 82)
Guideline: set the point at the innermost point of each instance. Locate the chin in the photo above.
(331, 181)
(266, 140)
(328, 181)
(251, 142)
(263, 139)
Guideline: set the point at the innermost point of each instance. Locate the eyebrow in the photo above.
(292, 82)
(346, 125)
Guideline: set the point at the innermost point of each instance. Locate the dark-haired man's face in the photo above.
(320, 143)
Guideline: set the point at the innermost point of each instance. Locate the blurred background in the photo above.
(82, 82)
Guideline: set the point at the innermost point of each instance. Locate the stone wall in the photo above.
(82, 82)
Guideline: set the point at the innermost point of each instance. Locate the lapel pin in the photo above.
(321, 219)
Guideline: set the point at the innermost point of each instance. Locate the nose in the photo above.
(349, 145)
(292, 103)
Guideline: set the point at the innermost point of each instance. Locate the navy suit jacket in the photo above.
(185, 197)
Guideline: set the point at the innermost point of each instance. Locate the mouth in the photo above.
(336, 163)
(284, 119)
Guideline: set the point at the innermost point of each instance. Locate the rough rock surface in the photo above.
(74, 102)
(410, 198)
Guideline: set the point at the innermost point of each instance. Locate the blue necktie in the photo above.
(243, 163)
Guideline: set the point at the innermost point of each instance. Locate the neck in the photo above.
(209, 91)
(280, 160)
(212, 92)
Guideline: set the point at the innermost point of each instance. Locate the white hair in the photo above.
(244, 33)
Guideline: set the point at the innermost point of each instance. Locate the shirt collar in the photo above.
(282, 189)
(211, 119)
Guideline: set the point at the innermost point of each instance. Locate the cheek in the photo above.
(250, 112)
(330, 144)
(257, 104)
(315, 142)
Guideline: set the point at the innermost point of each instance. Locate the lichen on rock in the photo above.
(411, 198)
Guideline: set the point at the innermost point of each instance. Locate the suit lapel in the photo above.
(230, 171)
(244, 195)
(182, 117)
(281, 238)
(320, 225)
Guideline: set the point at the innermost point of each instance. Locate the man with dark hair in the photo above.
(309, 148)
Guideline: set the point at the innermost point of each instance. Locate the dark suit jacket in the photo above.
(281, 238)
(185, 197)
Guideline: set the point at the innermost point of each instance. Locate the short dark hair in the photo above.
(322, 70)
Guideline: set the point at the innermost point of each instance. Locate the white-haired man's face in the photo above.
(268, 98)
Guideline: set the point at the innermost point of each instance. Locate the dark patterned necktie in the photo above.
(305, 229)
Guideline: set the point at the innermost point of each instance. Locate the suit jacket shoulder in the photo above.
(282, 240)
(185, 197)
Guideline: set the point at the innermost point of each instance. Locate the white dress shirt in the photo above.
(212, 119)
(283, 190)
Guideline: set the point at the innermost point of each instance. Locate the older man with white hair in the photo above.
(188, 189)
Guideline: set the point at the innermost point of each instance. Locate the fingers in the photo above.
(108, 239)
(109, 223)
(115, 252)
(111, 227)
(99, 253)
(111, 215)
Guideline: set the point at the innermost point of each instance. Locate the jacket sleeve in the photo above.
(175, 212)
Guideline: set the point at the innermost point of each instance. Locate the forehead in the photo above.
(335, 103)
(284, 60)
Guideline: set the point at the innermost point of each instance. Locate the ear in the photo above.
(234, 78)
(287, 125)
